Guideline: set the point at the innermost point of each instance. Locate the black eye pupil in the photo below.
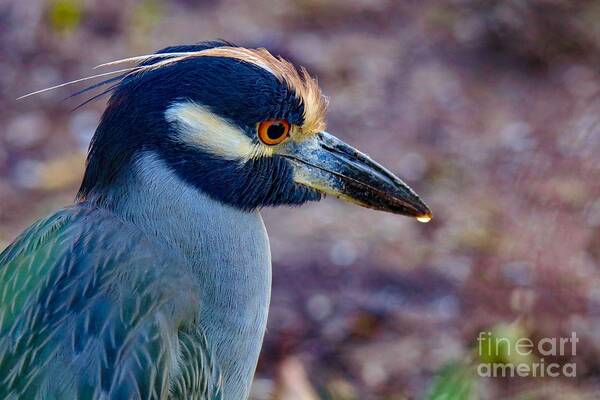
(275, 131)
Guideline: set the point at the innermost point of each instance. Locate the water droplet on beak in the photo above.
(424, 218)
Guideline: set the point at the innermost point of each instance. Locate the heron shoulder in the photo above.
(84, 295)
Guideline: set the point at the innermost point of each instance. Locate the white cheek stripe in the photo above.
(200, 127)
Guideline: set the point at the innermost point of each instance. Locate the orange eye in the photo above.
(273, 131)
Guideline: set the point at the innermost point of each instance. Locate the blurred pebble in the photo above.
(592, 214)
(26, 130)
(469, 30)
(335, 329)
(518, 273)
(580, 81)
(25, 15)
(457, 268)
(262, 389)
(437, 82)
(522, 300)
(61, 173)
(571, 192)
(445, 308)
(517, 136)
(593, 301)
(373, 373)
(319, 306)
(293, 382)
(443, 348)
(3, 155)
(583, 137)
(342, 390)
(343, 253)
(25, 173)
(412, 166)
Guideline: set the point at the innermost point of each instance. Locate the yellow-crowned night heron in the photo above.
(155, 284)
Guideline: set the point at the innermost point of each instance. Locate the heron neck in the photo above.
(228, 252)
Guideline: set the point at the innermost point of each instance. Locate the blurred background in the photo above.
(489, 109)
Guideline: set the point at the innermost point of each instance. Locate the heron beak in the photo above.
(330, 166)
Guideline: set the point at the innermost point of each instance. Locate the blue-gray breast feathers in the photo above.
(91, 308)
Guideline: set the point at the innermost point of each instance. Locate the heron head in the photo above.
(241, 125)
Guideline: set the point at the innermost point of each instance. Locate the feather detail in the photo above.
(120, 71)
(305, 87)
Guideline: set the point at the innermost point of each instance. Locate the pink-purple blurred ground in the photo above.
(488, 109)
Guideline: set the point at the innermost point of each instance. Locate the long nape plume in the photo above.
(120, 71)
(305, 87)
(124, 71)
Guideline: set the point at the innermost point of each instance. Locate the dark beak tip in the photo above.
(414, 208)
(421, 211)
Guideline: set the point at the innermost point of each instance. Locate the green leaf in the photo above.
(455, 381)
